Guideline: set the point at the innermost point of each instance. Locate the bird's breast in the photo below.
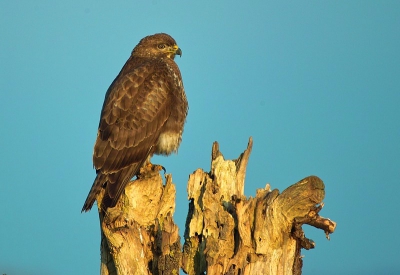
(168, 142)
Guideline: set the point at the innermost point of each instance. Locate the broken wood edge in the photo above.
(241, 164)
(286, 211)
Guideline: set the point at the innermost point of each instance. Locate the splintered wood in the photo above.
(227, 233)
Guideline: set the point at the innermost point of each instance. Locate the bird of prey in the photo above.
(143, 113)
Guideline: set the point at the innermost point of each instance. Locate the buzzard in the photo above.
(143, 113)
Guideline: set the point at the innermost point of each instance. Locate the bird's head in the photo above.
(157, 45)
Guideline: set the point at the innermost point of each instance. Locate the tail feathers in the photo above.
(119, 181)
(114, 183)
(96, 188)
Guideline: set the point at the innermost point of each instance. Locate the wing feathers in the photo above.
(132, 119)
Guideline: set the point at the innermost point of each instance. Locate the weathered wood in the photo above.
(227, 233)
(139, 235)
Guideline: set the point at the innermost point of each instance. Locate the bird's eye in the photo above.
(161, 46)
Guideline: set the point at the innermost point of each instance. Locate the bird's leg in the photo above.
(148, 169)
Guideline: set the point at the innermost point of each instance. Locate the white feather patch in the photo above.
(168, 143)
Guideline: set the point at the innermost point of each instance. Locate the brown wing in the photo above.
(135, 109)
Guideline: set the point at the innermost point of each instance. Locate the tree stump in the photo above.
(138, 235)
(225, 232)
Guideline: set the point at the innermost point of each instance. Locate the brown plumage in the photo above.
(143, 113)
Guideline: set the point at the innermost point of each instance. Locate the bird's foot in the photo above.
(149, 169)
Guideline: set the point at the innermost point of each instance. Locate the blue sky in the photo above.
(316, 84)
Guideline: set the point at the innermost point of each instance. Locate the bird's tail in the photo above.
(119, 181)
(96, 188)
(115, 184)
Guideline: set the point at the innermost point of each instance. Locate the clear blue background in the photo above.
(316, 84)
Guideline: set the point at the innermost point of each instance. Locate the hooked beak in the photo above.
(177, 50)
